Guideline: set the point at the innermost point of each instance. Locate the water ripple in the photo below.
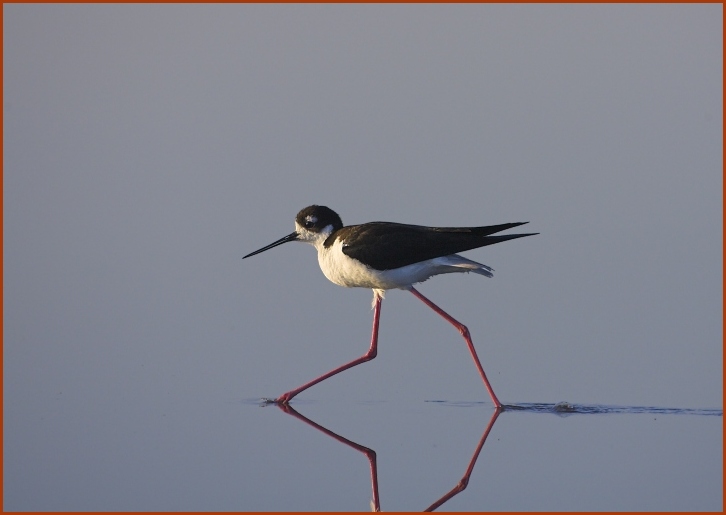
(566, 408)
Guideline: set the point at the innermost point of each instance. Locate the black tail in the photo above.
(491, 229)
(491, 240)
(479, 231)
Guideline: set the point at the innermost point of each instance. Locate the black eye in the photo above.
(308, 224)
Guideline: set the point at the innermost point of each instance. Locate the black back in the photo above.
(387, 245)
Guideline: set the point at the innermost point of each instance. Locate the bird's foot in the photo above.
(285, 398)
(282, 400)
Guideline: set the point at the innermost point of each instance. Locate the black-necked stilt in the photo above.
(384, 256)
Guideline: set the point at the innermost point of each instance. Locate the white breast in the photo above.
(348, 272)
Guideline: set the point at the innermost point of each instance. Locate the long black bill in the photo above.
(289, 237)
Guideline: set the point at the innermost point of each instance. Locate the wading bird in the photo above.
(384, 256)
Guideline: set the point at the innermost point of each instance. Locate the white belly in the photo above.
(345, 271)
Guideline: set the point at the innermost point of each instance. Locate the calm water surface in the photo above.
(194, 452)
(527, 457)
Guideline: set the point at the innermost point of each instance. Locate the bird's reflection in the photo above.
(371, 455)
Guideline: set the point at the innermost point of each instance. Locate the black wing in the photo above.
(386, 245)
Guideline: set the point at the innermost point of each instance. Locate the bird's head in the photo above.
(313, 225)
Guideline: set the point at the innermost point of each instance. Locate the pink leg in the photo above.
(372, 351)
(465, 333)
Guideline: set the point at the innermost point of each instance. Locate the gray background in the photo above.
(148, 148)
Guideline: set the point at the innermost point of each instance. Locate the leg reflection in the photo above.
(371, 455)
(461, 485)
